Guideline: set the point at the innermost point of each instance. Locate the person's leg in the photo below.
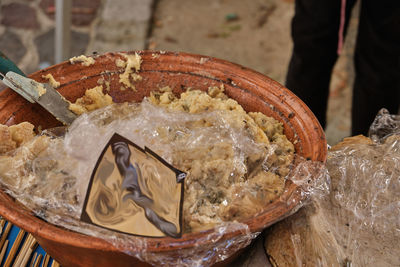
(315, 28)
(377, 63)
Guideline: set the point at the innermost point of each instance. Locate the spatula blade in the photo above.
(45, 95)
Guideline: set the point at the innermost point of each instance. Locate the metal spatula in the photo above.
(42, 93)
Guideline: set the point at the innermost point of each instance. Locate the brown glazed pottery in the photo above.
(180, 71)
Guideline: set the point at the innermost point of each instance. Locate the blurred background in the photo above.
(253, 33)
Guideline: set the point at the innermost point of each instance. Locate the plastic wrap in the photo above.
(356, 222)
(384, 125)
(50, 175)
(238, 164)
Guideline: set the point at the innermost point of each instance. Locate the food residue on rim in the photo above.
(132, 66)
(204, 60)
(51, 80)
(102, 81)
(93, 99)
(84, 60)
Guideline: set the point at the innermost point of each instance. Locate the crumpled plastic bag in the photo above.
(357, 221)
(384, 125)
(54, 184)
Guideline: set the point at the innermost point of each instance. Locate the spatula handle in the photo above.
(7, 65)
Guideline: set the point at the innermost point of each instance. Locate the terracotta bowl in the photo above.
(254, 91)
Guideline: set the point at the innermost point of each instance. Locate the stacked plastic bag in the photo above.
(357, 221)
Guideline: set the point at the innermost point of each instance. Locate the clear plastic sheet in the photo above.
(384, 125)
(357, 221)
(52, 173)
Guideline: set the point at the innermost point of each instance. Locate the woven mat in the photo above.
(19, 248)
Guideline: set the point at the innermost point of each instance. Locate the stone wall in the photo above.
(27, 28)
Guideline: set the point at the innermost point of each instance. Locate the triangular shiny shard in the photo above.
(134, 191)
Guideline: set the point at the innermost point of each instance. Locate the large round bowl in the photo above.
(254, 91)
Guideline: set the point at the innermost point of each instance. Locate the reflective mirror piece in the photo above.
(134, 191)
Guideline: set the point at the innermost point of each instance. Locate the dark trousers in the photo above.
(315, 28)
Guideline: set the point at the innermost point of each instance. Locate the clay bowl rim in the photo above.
(46, 230)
